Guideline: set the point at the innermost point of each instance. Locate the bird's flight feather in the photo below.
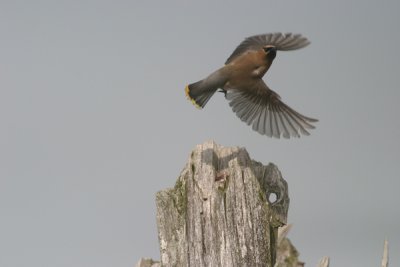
(267, 114)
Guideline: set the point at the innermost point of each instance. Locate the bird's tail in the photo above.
(200, 92)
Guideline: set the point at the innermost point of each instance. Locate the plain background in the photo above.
(94, 121)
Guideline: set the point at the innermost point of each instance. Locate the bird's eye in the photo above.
(269, 49)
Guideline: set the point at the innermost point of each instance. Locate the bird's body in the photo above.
(250, 98)
(246, 70)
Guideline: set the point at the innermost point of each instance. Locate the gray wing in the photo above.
(267, 114)
(282, 41)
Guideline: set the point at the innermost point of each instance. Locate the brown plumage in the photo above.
(250, 98)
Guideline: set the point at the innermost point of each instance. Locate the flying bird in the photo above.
(240, 79)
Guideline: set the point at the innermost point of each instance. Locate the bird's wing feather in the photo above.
(282, 41)
(266, 113)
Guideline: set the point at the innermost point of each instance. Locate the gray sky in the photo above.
(94, 121)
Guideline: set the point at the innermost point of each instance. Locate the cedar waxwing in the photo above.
(250, 98)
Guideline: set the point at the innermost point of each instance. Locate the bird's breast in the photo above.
(259, 71)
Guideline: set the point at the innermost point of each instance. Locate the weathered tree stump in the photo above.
(225, 210)
(222, 211)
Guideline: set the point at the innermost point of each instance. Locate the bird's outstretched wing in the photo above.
(282, 41)
(268, 115)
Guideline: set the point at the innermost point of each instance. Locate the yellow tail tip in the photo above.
(187, 90)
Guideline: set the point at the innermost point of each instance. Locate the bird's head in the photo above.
(270, 51)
